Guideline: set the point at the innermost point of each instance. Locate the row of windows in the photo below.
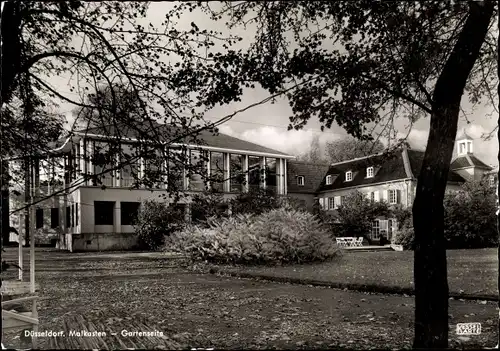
(370, 172)
(393, 197)
(159, 170)
(71, 217)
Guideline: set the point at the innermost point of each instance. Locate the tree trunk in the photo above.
(430, 273)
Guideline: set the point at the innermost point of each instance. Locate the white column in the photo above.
(118, 218)
(209, 171)
(118, 172)
(262, 172)
(278, 176)
(245, 170)
(89, 148)
(83, 155)
(227, 173)
(285, 177)
(187, 162)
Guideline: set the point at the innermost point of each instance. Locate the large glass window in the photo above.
(175, 172)
(104, 212)
(39, 218)
(271, 173)
(129, 212)
(153, 168)
(103, 163)
(217, 171)
(254, 172)
(130, 165)
(54, 217)
(198, 170)
(237, 173)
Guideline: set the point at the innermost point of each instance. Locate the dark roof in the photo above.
(417, 157)
(387, 167)
(313, 174)
(205, 137)
(468, 161)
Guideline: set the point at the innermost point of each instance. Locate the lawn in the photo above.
(113, 293)
(470, 272)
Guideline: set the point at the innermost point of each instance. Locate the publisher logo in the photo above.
(469, 328)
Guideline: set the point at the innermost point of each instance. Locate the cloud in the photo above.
(293, 142)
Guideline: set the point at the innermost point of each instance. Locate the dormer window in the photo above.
(369, 172)
(465, 147)
(300, 180)
(328, 179)
(348, 176)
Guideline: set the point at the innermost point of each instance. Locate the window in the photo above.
(348, 176)
(237, 174)
(300, 180)
(39, 218)
(369, 172)
(72, 216)
(175, 164)
(129, 212)
(198, 169)
(130, 170)
(469, 147)
(217, 171)
(271, 173)
(103, 212)
(153, 168)
(54, 217)
(328, 179)
(331, 203)
(76, 214)
(254, 172)
(375, 234)
(393, 197)
(103, 163)
(372, 196)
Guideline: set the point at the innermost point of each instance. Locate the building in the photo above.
(87, 217)
(390, 178)
(303, 181)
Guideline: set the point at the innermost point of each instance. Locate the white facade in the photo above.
(86, 212)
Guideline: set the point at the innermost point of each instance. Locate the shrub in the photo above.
(207, 206)
(255, 201)
(405, 237)
(278, 236)
(470, 220)
(155, 221)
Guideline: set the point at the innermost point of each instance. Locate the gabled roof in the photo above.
(468, 160)
(205, 137)
(387, 168)
(313, 174)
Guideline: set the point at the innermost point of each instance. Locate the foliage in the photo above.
(405, 236)
(156, 220)
(255, 201)
(208, 206)
(470, 220)
(276, 236)
(357, 213)
(349, 148)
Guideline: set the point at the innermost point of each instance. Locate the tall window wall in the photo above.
(129, 173)
(217, 171)
(237, 173)
(255, 172)
(271, 176)
(198, 165)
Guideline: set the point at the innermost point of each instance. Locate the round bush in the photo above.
(405, 237)
(277, 236)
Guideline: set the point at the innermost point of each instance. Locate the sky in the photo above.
(267, 124)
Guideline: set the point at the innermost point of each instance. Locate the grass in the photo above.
(470, 272)
(200, 310)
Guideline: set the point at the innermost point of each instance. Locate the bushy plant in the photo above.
(470, 220)
(405, 237)
(357, 213)
(278, 236)
(207, 206)
(255, 201)
(156, 220)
